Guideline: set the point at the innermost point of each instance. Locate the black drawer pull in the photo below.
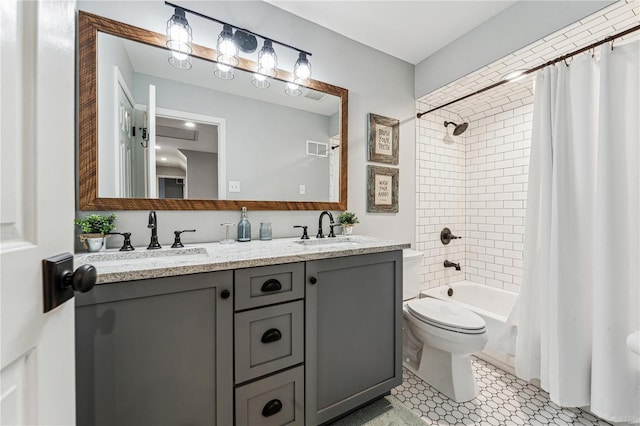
(271, 285)
(271, 335)
(272, 407)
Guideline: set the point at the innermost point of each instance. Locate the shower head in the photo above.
(459, 129)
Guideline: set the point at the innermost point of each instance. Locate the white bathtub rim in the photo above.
(441, 293)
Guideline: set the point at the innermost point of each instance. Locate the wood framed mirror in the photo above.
(260, 157)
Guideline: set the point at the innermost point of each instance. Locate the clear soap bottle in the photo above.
(244, 227)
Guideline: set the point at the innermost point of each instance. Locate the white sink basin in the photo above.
(633, 342)
(142, 255)
(330, 241)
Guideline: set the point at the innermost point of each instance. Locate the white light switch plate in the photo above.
(303, 189)
(234, 186)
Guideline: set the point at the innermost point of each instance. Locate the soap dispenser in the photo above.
(244, 227)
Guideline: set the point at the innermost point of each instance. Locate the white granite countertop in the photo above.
(115, 266)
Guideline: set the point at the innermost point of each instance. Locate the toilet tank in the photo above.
(410, 273)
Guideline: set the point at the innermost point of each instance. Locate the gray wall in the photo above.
(377, 83)
(265, 142)
(202, 174)
(514, 28)
(170, 171)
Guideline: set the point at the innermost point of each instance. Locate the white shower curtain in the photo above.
(580, 294)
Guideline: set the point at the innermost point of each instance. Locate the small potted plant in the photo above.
(348, 221)
(94, 228)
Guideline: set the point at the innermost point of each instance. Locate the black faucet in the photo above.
(323, 214)
(153, 225)
(448, 264)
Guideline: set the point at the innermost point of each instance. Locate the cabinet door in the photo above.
(156, 352)
(353, 332)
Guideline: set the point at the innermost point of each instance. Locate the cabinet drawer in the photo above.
(268, 339)
(266, 285)
(273, 401)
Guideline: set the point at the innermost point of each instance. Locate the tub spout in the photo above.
(448, 264)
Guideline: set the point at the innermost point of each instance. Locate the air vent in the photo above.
(316, 96)
(317, 149)
(176, 133)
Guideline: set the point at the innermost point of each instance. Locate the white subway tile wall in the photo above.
(476, 185)
(496, 171)
(440, 198)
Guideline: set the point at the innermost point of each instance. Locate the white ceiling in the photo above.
(408, 30)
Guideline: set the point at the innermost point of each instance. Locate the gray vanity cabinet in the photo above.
(353, 313)
(156, 352)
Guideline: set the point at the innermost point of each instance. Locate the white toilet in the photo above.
(439, 337)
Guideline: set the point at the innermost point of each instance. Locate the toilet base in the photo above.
(451, 374)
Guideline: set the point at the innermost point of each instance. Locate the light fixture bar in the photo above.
(193, 12)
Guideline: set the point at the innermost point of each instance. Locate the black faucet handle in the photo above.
(176, 242)
(331, 226)
(126, 245)
(305, 236)
(446, 236)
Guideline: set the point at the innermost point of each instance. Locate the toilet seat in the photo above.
(446, 315)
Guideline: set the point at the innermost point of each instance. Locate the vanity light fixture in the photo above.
(302, 69)
(267, 62)
(179, 40)
(230, 40)
(267, 58)
(227, 53)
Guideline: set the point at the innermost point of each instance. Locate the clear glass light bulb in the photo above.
(303, 71)
(259, 77)
(227, 47)
(267, 61)
(178, 33)
(292, 86)
(222, 67)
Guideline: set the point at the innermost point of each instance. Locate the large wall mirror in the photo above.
(152, 136)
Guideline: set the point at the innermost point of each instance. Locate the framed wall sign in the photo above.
(382, 189)
(383, 139)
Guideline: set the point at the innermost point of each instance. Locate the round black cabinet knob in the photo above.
(225, 294)
(313, 280)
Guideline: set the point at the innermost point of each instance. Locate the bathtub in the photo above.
(494, 305)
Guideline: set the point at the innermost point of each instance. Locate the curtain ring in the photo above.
(593, 52)
(611, 44)
(567, 63)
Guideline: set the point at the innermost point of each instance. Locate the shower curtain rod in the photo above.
(534, 69)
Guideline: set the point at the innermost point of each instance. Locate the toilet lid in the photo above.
(447, 315)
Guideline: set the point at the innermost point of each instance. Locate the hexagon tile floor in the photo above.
(503, 400)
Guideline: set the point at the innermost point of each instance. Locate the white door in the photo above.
(37, 208)
(125, 143)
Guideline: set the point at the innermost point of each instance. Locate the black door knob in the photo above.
(313, 280)
(60, 281)
(225, 294)
(82, 279)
